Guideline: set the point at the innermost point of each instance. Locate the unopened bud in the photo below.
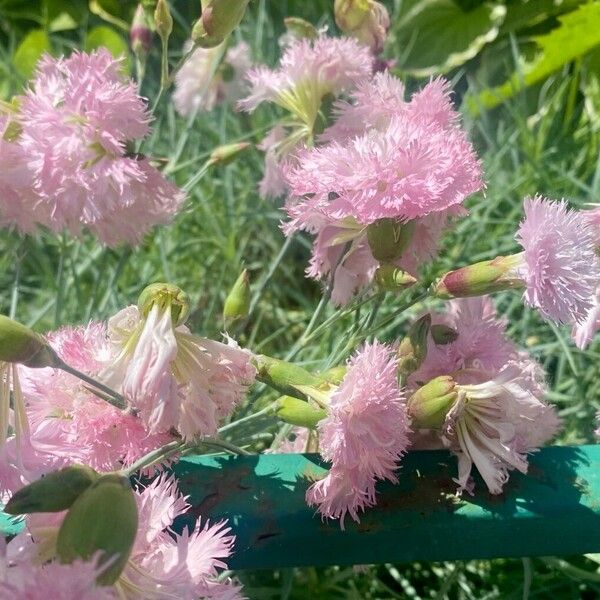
(334, 375)
(163, 21)
(300, 29)
(412, 350)
(443, 334)
(218, 19)
(366, 20)
(393, 279)
(164, 295)
(102, 522)
(19, 344)
(284, 376)
(389, 238)
(237, 303)
(299, 412)
(430, 404)
(140, 34)
(54, 492)
(223, 155)
(480, 278)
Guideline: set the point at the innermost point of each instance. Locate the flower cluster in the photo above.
(65, 147)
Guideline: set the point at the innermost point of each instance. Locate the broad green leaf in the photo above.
(577, 34)
(103, 36)
(436, 35)
(62, 15)
(30, 50)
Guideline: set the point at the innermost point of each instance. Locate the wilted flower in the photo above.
(76, 120)
(364, 435)
(366, 20)
(202, 82)
(173, 378)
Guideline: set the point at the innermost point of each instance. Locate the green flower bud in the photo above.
(412, 350)
(388, 238)
(284, 376)
(140, 33)
(163, 21)
(19, 344)
(430, 404)
(165, 295)
(393, 279)
(300, 29)
(480, 278)
(442, 334)
(218, 19)
(223, 155)
(104, 520)
(54, 492)
(298, 412)
(334, 375)
(237, 303)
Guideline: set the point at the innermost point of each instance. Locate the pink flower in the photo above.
(558, 265)
(583, 333)
(76, 120)
(202, 83)
(186, 565)
(20, 578)
(364, 435)
(174, 378)
(494, 424)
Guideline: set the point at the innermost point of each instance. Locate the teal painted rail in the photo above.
(553, 510)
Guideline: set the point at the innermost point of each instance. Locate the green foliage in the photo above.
(30, 50)
(107, 37)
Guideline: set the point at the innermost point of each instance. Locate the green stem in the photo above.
(60, 284)
(154, 457)
(222, 444)
(262, 412)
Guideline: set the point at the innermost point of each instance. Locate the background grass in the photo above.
(544, 140)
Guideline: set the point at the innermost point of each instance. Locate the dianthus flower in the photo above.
(308, 72)
(76, 120)
(173, 378)
(201, 83)
(559, 266)
(364, 436)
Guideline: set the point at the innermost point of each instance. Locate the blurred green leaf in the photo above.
(30, 50)
(578, 33)
(107, 37)
(62, 15)
(438, 35)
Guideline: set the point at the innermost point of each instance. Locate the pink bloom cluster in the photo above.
(162, 565)
(201, 83)
(65, 149)
(364, 435)
(308, 72)
(499, 415)
(382, 158)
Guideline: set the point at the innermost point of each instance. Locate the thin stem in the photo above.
(218, 443)
(262, 412)
(117, 399)
(156, 456)
(60, 284)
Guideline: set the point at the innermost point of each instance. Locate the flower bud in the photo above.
(480, 278)
(299, 412)
(284, 376)
(430, 404)
(388, 238)
(237, 303)
(412, 350)
(300, 29)
(443, 334)
(102, 522)
(223, 155)
(393, 279)
(163, 21)
(19, 344)
(140, 34)
(366, 20)
(335, 375)
(165, 295)
(218, 19)
(54, 492)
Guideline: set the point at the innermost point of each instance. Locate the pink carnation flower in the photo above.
(76, 120)
(559, 265)
(494, 424)
(201, 83)
(174, 378)
(364, 435)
